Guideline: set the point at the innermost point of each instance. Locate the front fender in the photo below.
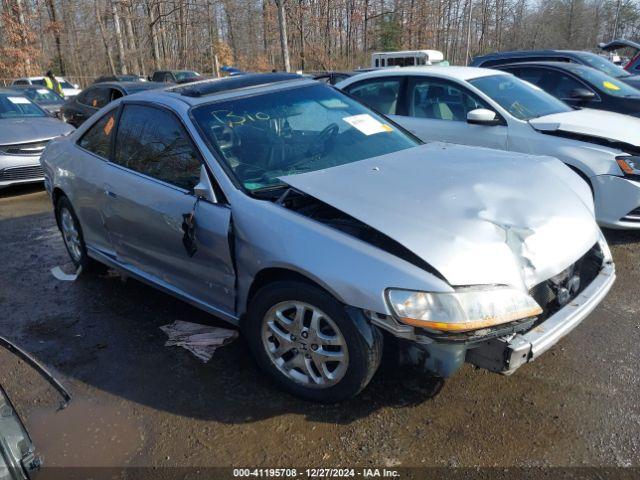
(353, 271)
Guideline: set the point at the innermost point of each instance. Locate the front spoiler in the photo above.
(505, 356)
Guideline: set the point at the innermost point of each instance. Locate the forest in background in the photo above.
(83, 39)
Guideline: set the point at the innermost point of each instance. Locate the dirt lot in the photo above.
(139, 403)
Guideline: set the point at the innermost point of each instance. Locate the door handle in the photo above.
(109, 193)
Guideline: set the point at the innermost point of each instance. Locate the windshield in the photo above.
(186, 74)
(18, 106)
(521, 99)
(43, 95)
(604, 65)
(605, 83)
(303, 129)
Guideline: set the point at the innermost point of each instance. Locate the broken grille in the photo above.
(558, 291)
(21, 173)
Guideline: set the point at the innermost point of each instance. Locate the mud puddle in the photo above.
(86, 434)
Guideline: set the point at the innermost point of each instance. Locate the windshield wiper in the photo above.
(268, 191)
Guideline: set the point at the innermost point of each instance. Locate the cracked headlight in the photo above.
(464, 310)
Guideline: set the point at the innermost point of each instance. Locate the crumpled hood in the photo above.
(24, 130)
(593, 123)
(476, 215)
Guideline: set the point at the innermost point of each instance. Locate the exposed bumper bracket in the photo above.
(505, 355)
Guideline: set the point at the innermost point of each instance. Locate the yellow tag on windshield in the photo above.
(610, 85)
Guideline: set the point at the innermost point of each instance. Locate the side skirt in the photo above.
(165, 287)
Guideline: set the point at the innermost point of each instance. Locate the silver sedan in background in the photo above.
(25, 130)
(321, 228)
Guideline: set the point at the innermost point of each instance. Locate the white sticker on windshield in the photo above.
(367, 124)
(42, 91)
(19, 100)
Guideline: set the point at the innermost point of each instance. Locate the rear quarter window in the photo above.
(97, 139)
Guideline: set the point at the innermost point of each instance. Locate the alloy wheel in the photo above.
(305, 344)
(70, 234)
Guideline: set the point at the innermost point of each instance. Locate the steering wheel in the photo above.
(319, 144)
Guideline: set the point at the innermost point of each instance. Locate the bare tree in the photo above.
(83, 39)
(122, 62)
(284, 43)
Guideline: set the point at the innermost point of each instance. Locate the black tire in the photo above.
(87, 263)
(363, 357)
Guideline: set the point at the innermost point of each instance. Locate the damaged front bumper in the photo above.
(617, 201)
(506, 354)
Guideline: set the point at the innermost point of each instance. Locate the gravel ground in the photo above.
(139, 403)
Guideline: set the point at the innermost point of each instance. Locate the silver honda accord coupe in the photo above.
(322, 229)
(25, 130)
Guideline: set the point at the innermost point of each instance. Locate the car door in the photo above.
(436, 110)
(149, 191)
(90, 166)
(381, 94)
(559, 84)
(86, 104)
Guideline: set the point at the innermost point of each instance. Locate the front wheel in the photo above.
(303, 338)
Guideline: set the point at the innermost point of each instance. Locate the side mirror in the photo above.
(581, 94)
(204, 190)
(76, 86)
(482, 116)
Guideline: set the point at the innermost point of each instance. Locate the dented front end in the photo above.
(469, 219)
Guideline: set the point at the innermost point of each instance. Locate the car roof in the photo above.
(562, 65)
(25, 87)
(210, 90)
(458, 73)
(513, 53)
(38, 78)
(129, 86)
(9, 91)
(205, 90)
(528, 53)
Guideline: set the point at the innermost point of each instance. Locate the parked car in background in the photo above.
(632, 65)
(43, 97)
(318, 226)
(579, 85)
(490, 108)
(120, 78)
(93, 98)
(69, 90)
(25, 131)
(176, 76)
(573, 56)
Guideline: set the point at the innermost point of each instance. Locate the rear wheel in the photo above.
(303, 338)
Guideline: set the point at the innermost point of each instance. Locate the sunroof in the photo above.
(233, 83)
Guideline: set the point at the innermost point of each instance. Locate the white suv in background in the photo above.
(494, 109)
(68, 90)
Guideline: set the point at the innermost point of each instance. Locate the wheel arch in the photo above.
(56, 194)
(279, 274)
